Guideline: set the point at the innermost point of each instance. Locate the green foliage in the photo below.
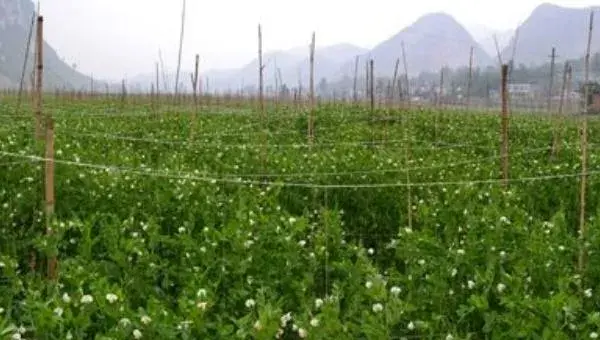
(156, 234)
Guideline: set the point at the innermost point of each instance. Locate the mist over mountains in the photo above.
(432, 42)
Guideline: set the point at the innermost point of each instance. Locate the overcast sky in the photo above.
(118, 38)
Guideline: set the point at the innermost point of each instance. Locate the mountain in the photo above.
(553, 26)
(15, 21)
(294, 65)
(432, 42)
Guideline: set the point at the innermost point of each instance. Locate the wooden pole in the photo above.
(407, 85)
(372, 95)
(372, 85)
(470, 79)
(355, 87)
(393, 85)
(24, 69)
(407, 156)
(438, 105)
(559, 117)
(261, 99)
(584, 153)
(92, 85)
(195, 95)
(440, 90)
(504, 151)
(260, 77)
(49, 191)
(180, 51)
(311, 118)
(39, 77)
(367, 81)
(157, 82)
(551, 85)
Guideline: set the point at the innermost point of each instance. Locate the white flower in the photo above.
(257, 325)
(302, 333)
(248, 243)
(181, 230)
(279, 333)
(503, 254)
(66, 298)
(460, 252)
(250, 303)
(145, 319)
(16, 336)
(87, 299)
(395, 290)
(454, 272)
(202, 305)
(377, 307)
(371, 251)
(470, 284)
(22, 330)
(69, 336)
(1, 310)
(588, 293)
(411, 326)
(449, 337)
(421, 262)
(111, 298)
(58, 311)
(302, 243)
(501, 287)
(137, 334)
(285, 319)
(593, 335)
(201, 293)
(2, 264)
(318, 303)
(292, 220)
(369, 284)
(314, 322)
(124, 322)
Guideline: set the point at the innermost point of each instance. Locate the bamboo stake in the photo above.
(355, 86)
(406, 73)
(195, 95)
(470, 79)
(24, 70)
(39, 76)
(551, 85)
(311, 119)
(407, 156)
(261, 98)
(260, 76)
(157, 82)
(504, 151)
(559, 118)
(584, 153)
(438, 105)
(372, 95)
(180, 50)
(393, 85)
(49, 191)
(92, 85)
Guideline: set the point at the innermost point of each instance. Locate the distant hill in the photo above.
(433, 41)
(553, 26)
(15, 21)
(293, 64)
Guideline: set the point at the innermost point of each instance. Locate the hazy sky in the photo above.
(118, 38)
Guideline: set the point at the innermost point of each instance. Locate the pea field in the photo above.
(223, 223)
